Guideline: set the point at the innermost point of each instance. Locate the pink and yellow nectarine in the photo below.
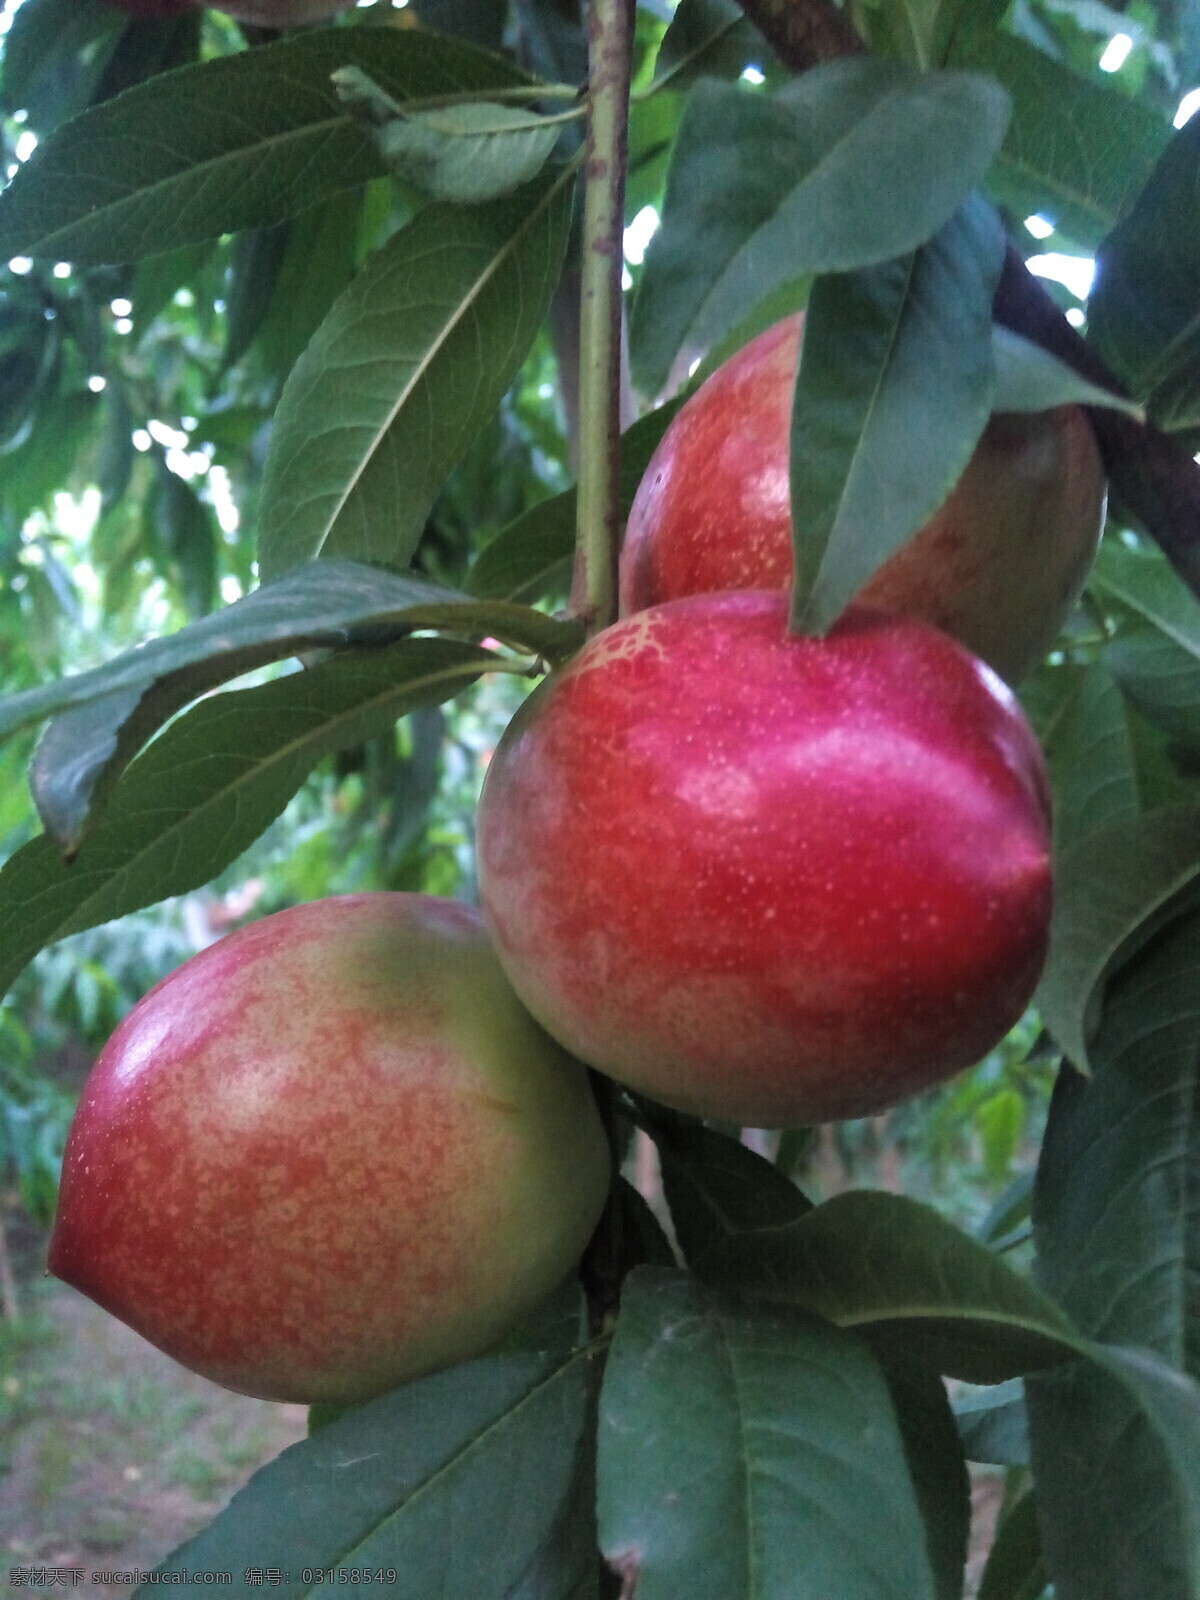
(766, 878)
(997, 567)
(330, 1153)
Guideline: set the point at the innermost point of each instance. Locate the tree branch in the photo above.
(1155, 476)
(610, 49)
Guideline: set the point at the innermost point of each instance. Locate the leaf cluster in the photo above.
(768, 1419)
(338, 267)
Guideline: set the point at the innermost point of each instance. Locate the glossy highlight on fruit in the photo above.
(768, 878)
(998, 566)
(330, 1153)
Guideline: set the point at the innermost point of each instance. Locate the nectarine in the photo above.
(330, 1153)
(767, 878)
(998, 566)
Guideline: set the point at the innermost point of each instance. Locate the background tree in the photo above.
(291, 370)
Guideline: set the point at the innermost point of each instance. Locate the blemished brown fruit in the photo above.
(998, 566)
(331, 1153)
(764, 877)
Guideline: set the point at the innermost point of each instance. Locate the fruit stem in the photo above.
(598, 519)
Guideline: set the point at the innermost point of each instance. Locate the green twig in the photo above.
(610, 50)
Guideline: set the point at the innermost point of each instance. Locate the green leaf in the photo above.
(455, 1482)
(533, 555)
(893, 392)
(1115, 1213)
(1144, 308)
(750, 1453)
(887, 1265)
(1119, 1176)
(715, 1187)
(922, 1291)
(146, 47)
(465, 153)
(319, 260)
(1113, 884)
(904, 28)
(256, 257)
(47, 459)
(1074, 149)
(254, 138)
(1015, 1569)
(566, 1566)
(708, 39)
(159, 277)
(556, 1324)
(187, 531)
(652, 125)
(994, 1425)
(639, 1233)
(1161, 781)
(208, 787)
(1161, 679)
(1089, 750)
(1175, 403)
(1141, 579)
(111, 712)
(114, 465)
(1029, 378)
(849, 165)
(1125, 1528)
(323, 605)
(55, 52)
(1000, 1121)
(411, 362)
(938, 1470)
(1009, 1212)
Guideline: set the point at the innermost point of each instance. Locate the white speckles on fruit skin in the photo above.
(733, 537)
(348, 1157)
(720, 790)
(746, 875)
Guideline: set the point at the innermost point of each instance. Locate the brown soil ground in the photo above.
(110, 1454)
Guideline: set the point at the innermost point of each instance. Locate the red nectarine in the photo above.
(998, 566)
(767, 878)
